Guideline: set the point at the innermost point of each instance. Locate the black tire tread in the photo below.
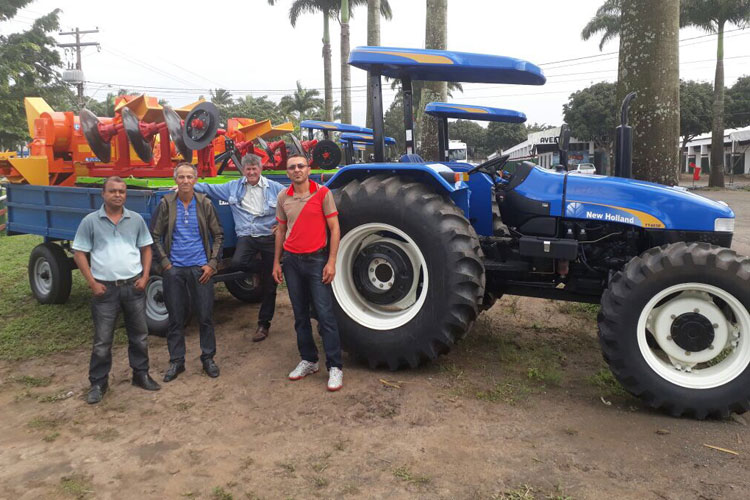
(454, 233)
(614, 308)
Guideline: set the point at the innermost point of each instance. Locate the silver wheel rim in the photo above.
(42, 269)
(728, 354)
(351, 301)
(155, 309)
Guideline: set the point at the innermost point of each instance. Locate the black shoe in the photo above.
(173, 370)
(144, 381)
(96, 393)
(210, 368)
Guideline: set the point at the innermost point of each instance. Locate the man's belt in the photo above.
(128, 281)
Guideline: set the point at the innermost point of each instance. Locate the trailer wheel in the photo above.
(409, 277)
(247, 290)
(675, 329)
(50, 275)
(157, 316)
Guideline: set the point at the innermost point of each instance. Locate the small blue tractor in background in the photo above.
(426, 247)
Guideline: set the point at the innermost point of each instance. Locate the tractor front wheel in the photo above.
(675, 329)
(409, 277)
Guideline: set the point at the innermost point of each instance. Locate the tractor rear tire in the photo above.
(50, 274)
(674, 327)
(409, 275)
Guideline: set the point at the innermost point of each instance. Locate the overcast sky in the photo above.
(180, 50)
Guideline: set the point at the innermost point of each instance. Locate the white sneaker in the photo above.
(304, 368)
(335, 379)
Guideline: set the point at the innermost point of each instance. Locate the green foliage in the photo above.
(28, 63)
(695, 109)
(592, 113)
(713, 15)
(300, 104)
(504, 135)
(606, 21)
(738, 103)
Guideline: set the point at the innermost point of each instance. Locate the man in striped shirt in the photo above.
(306, 212)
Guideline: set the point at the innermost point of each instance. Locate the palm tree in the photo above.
(649, 65)
(329, 9)
(301, 103)
(436, 37)
(221, 97)
(606, 21)
(713, 16)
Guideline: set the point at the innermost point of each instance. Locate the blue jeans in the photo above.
(177, 281)
(245, 250)
(104, 311)
(303, 275)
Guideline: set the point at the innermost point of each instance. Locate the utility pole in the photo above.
(77, 45)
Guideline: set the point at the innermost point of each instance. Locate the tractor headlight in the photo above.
(724, 225)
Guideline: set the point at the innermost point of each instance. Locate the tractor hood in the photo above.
(643, 204)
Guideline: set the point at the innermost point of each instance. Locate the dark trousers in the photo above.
(246, 249)
(303, 275)
(177, 282)
(104, 311)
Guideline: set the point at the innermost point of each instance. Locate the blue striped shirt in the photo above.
(187, 246)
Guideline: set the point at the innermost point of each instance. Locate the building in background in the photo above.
(541, 147)
(736, 152)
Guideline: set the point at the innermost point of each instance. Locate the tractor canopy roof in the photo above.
(363, 138)
(333, 126)
(446, 65)
(472, 112)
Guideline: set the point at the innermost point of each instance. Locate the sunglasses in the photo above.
(298, 166)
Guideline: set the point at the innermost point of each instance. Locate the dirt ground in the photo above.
(522, 408)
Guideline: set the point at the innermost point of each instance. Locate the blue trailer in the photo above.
(54, 212)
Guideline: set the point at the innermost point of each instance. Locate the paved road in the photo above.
(739, 200)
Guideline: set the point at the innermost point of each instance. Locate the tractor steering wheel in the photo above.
(490, 167)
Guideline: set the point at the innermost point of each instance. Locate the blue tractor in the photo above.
(426, 246)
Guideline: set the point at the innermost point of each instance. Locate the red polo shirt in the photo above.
(305, 217)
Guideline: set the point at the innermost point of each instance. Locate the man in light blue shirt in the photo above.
(119, 244)
(252, 200)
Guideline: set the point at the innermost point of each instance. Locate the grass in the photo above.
(44, 423)
(31, 381)
(75, 486)
(579, 309)
(526, 492)
(406, 475)
(607, 383)
(219, 493)
(51, 437)
(29, 329)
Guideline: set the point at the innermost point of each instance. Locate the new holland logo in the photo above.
(583, 211)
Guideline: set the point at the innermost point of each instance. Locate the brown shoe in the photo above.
(260, 334)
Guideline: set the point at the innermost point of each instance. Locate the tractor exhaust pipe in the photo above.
(624, 141)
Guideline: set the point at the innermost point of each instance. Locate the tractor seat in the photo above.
(411, 158)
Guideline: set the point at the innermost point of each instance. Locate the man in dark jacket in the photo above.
(187, 244)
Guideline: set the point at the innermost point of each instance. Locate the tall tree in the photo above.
(591, 115)
(649, 65)
(695, 109)
(330, 9)
(606, 21)
(221, 97)
(373, 39)
(346, 75)
(28, 67)
(300, 104)
(436, 37)
(713, 16)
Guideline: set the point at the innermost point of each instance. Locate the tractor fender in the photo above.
(435, 175)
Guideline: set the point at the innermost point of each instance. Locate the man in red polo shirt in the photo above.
(306, 213)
